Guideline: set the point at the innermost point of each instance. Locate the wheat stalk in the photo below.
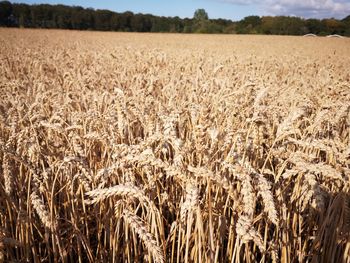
(141, 229)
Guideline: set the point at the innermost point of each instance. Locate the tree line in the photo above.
(79, 18)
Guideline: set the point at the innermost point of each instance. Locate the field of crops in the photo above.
(120, 147)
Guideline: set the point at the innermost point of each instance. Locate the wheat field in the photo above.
(121, 147)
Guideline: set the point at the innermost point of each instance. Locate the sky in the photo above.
(229, 9)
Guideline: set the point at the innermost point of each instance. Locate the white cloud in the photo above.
(309, 8)
(303, 8)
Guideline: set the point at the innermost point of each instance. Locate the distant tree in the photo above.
(176, 25)
(314, 26)
(140, 23)
(159, 24)
(249, 25)
(5, 12)
(22, 12)
(201, 21)
(254, 21)
(188, 25)
(75, 17)
(102, 20)
(200, 15)
(267, 25)
(346, 19)
(333, 26)
(346, 22)
(115, 22)
(62, 17)
(230, 29)
(125, 21)
(78, 18)
(292, 26)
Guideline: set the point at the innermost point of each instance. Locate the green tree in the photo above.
(200, 15)
(140, 23)
(267, 24)
(249, 25)
(125, 21)
(62, 17)
(115, 22)
(68, 17)
(201, 21)
(333, 26)
(314, 26)
(22, 13)
(5, 12)
(346, 22)
(102, 20)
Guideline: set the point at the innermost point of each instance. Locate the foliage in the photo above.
(75, 17)
(200, 14)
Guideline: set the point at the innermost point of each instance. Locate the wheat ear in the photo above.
(141, 228)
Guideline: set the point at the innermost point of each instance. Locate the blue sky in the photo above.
(230, 9)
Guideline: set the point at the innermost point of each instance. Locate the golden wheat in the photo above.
(121, 147)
